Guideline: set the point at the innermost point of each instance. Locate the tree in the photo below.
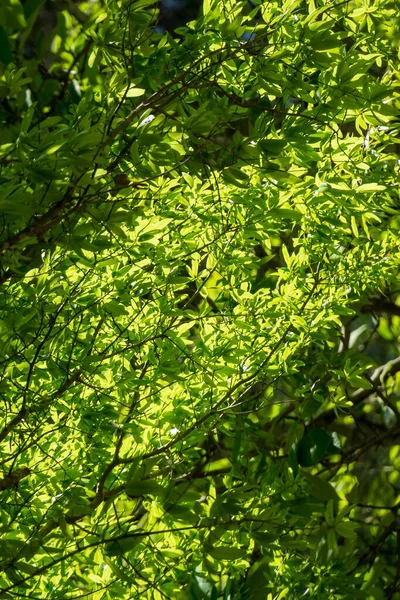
(199, 310)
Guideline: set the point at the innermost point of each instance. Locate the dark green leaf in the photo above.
(312, 447)
(320, 488)
(5, 48)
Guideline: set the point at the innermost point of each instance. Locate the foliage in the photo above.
(199, 316)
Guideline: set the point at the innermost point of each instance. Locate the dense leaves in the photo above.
(199, 310)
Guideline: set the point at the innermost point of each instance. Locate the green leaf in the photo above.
(354, 228)
(329, 513)
(92, 57)
(312, 447)
(134, 92)
(325, 42)
(272, 146)
(30, 6)
(115, 308)
(361, 382)
(122, 546)
(5, 48)
(265, 539)
(24, 567)
(332, 543)
(286, 213)
(206, 6)
(320, 488)
(226, 553)
(146, 487)
(121, 573)
(347, 529)
(371, 187)
(235, 177)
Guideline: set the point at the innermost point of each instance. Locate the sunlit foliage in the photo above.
(199, 309)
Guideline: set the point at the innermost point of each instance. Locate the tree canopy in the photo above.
(199, 301)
